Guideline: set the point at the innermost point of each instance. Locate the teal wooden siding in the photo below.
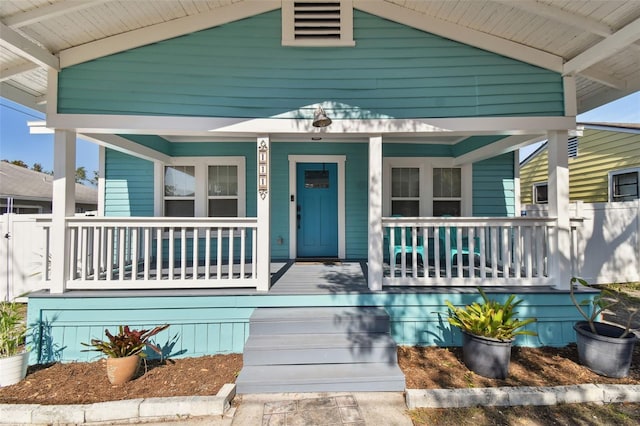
(128, 185)
(356, 193)
(473, 143)
(416, 150)
(241, 70)
(202, 325)
(493, 186)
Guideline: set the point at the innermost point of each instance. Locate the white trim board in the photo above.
(340, 160)
(250, 128)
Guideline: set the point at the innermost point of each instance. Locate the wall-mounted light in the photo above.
(320, 119)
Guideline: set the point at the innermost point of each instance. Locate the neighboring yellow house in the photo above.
(604, 165)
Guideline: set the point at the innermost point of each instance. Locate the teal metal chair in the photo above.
(408, 249)
(453, 244)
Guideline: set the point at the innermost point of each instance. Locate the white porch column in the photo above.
(263, 250)
(375, 213)
(64, 173)
(558, 196)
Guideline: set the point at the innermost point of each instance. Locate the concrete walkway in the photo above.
(343, 408)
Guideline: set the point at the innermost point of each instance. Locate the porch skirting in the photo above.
(206, 322)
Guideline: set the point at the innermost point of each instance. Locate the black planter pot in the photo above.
(604, 353)
(486, 356)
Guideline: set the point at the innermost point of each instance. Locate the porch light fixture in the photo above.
(320, 119)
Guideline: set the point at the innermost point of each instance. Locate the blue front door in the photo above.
(317, 209)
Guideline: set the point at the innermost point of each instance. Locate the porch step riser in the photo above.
(325, 349)
(319, 350)
(318, 321)
(321, 378)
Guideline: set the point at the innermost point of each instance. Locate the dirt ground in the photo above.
(424, 367)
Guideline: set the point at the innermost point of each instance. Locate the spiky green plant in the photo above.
(12, 329)
(490, 318)
(606, 299)
(127, 342)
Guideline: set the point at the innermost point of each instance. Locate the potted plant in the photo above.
(488, 331)
(124, 351)
(14, 358)
(604, 348)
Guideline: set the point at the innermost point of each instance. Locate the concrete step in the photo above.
(378, 377)
(318, 320)
(319, 349)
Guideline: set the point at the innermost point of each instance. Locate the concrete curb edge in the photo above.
(147, 409)
(516, 396)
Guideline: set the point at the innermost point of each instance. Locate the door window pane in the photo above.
(179, 181)
(316, 179)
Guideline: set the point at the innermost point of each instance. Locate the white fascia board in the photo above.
(461, 34)
(20, 97)
(239, 127)
(7, 73)
(508, 144)
(126, 146)
(115, 142)
(48, 12)
(606, 48)
(26, 48)
(164, 31)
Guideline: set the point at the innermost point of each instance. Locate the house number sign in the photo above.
(263, 169)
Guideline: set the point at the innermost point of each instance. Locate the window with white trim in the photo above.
(405, 191)
(204, 186)
(624, 185)
(320, 23)
(540, 193)
(447, 191)
(414, 187)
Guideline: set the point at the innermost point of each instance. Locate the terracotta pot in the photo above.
(121, 370)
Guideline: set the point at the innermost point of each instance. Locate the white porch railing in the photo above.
(151, 253)
(469, 251)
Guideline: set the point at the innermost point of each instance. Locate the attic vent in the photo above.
(316, 20)
(572, 150)
(317, 23)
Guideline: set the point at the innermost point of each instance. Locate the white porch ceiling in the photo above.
(597, 41)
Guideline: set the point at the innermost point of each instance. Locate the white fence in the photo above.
(607, 245)
(22, 258)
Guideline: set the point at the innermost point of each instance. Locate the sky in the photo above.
(17, 144)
